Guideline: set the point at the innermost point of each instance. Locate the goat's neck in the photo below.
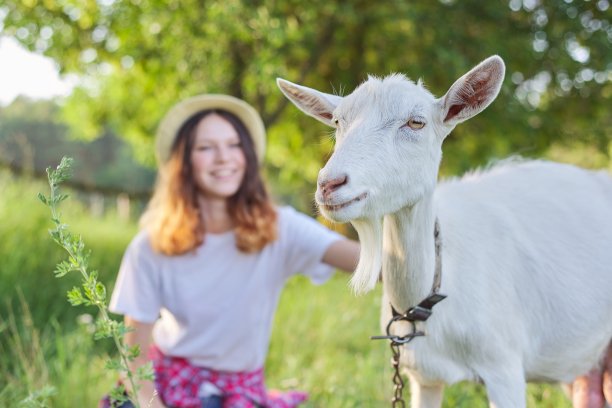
(409, 254)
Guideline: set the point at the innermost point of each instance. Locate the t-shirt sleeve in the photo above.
(307, 240)
(137, 291)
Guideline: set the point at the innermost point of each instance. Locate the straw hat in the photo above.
(181, 112)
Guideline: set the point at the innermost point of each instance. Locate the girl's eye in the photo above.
(415, 124)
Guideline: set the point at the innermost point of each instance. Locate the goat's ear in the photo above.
(317, 104)
(473, 92)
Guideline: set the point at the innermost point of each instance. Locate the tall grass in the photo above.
(29, 256)
(48, 357)
(49, 366)
(42, 345)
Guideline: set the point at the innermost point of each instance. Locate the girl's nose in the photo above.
(222, 154)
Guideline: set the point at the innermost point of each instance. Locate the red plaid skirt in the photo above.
(179, 383)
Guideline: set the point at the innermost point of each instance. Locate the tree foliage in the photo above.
(139, 57)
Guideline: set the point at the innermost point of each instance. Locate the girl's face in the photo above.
(217, 158)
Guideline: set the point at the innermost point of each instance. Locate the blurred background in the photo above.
(91, 79)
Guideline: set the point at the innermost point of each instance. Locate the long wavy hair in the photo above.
(173, 217)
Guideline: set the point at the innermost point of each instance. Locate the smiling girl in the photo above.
(200, 282)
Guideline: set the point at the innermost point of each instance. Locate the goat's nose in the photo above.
(329, 186)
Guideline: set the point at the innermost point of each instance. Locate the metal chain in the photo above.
(398, 381)
(396, 342)
(421, 313)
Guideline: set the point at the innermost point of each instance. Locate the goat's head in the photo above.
(389, 134)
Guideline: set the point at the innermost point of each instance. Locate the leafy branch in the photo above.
(91, 292)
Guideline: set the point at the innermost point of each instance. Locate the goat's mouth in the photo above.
(338, 207)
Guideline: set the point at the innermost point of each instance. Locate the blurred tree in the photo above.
(32, 139)
(139, 57)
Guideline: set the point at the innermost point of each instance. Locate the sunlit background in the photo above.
(29, 74)
(91, 79)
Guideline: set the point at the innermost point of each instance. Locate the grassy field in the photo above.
(320, 341)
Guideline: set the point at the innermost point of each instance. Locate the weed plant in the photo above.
(91, 292)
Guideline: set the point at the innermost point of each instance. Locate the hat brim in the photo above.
(181, 112)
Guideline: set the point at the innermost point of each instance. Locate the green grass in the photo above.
(29, 256)
(320, 341)
(67, 365)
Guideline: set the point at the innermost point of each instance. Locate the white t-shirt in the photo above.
(215, 306)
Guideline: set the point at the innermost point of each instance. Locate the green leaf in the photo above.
(55, 234)
(63, 268)
(145, 372)
(63, 171)
(75, 297)
(104, 329)
(60, 198)
(114, 364)
(43, 198)
(100, 292)
(122, 329)
(118, 393)
(133, 352)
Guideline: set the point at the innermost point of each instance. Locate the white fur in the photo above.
(526, 245)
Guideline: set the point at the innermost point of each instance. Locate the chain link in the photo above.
(398, 381)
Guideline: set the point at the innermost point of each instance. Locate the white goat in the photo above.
(526, 247)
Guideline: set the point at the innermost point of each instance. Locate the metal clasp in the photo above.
(395, 339)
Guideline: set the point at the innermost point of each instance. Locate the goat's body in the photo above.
(526, 246)
(527, 267)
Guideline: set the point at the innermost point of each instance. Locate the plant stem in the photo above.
(95, 293)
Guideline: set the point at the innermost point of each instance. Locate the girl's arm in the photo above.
(343, 254)
(141, 335)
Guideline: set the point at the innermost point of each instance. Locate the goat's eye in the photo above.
(415, 124)
(336, 122)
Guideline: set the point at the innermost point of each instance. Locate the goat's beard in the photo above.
(370, 231)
